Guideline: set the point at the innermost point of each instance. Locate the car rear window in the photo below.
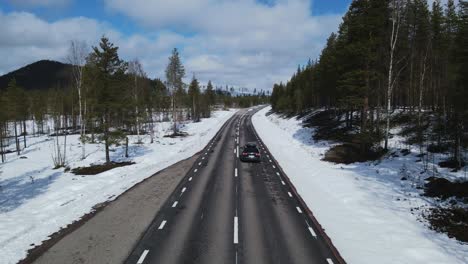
(251, 149)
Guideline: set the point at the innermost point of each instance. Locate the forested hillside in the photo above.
(103, 98)
(391, 63)
(40, 75)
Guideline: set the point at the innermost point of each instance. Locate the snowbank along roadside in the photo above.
(363, 207)
(36, 201)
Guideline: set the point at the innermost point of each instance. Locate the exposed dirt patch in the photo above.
(349, 153)
(452, 221)
(452, 163)
(443, 188)
(96, 169)
(178, 134)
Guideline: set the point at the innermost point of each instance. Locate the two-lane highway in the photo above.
(227, 211)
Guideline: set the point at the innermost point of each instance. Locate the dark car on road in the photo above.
(250, 153)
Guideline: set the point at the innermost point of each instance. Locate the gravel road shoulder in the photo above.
(110, 235)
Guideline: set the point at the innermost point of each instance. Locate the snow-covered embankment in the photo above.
(361, 206)
(30, 210)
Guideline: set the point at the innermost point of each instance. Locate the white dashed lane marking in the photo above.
(290, 195)
(175, 204)
(329, 261)
(143, 256)
(199, 164)
(282, 182)
(312, 232)
(236, 231)
(183, 189)
(299, 209)
(235, 172)
(190, 179)
(161, 226)
(195, 170)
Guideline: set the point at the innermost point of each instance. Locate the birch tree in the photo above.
(77, 58)
(396, 17)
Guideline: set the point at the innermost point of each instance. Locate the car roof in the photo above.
(251, 144)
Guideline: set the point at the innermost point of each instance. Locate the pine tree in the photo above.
(109, 72)
(194, 96)
(175, 71)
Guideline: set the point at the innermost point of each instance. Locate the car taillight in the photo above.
(244, 154)
(257, 154)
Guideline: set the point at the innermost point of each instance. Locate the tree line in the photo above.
(108, 100)
(387, 56)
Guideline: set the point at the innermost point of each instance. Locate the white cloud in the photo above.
(241, 43)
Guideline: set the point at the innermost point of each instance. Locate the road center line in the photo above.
(299, 209)
(235, 172)
(175, 204)
(143, 256)
(162, 225)
(236, 231)
(238, 151)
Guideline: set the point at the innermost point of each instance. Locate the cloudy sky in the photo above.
(249, 43)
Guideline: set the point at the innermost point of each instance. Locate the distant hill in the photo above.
(40, 75)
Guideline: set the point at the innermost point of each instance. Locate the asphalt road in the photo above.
(227, 211)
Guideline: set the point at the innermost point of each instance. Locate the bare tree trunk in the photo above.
(16, 139)
(136, 110)
(24, 133)
(421, 90)
(174, 115)
(396, 18)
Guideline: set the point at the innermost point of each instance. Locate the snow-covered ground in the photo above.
(368, 212)
(36, 200)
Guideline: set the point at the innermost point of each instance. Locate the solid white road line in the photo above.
(236, 231)
(299, 209)
(161, 226)
(175, 204)
(143, 256)
(190, 179)
(195, 170)
(329, 261)
(290, 195)
(235, 172)
(312, 232)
